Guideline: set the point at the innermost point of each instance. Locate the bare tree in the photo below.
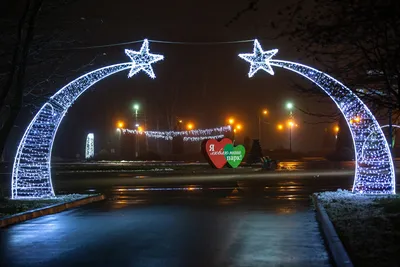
(358, 41)
(11, 96)
(32, 58)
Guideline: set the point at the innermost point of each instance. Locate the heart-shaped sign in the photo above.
(215, 151)
(234, 154)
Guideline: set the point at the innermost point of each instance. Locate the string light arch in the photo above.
(31, 177)
(374, 169)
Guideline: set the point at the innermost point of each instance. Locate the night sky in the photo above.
(202, 83)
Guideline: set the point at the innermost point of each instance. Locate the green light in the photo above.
(289, 105)
(136, 106)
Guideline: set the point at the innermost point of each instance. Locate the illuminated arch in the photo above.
(374, 170)
(31, 176)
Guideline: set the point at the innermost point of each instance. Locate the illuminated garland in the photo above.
(31, 176)
(89, 149)
(192, 135)
(201, 138)
(374, 173)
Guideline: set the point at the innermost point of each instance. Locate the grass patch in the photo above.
(12, 206)
(368, 226)
(389, 205)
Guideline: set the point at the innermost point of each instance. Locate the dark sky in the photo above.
(210, 81)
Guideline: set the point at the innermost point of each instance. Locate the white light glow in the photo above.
(142, 60)
(374, 173)
(31, 175)
(190, 136)
(89, 148)
(259, 60)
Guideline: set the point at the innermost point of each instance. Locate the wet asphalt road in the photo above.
(236, 219)
(232, 220)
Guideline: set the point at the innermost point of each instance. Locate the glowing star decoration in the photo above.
(31, 174)
(374, 170)
(89, 149)
(142, 60)
(259, 60)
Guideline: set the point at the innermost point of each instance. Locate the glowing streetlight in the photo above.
(190, 126)
(136, 108)
(238, 127)
(231, 121)
(120, 124)
(289, 105)
(290, 124)
(140, 129)
(264, 112)
(280, 127)
(336, 129)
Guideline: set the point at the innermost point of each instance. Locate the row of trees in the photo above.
(357, 41)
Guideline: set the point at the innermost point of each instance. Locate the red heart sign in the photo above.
(215, 151)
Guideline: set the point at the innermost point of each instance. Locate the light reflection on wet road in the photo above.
(235, 219)
(231, 220)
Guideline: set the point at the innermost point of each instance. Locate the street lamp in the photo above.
(264, 112)
(120, 124)
(136, 108)
(290, 124)
(190, 126)
(336, 130)
(289, 106)
(280, 127)
(231, 121)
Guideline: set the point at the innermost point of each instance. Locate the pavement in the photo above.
(234, 222)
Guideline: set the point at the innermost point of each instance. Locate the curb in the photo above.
(56, 208)
(335, 246)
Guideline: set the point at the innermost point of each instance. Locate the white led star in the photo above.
(259, 59)
(142, 60)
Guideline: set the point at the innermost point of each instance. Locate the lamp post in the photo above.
(120, 124)
(231, 121)
(289, 106)
(136, 108)
(237, 128)
(190, 126)
(264, 113)
(336, 130)
(290, 123)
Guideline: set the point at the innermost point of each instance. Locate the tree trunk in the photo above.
(12, 93)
